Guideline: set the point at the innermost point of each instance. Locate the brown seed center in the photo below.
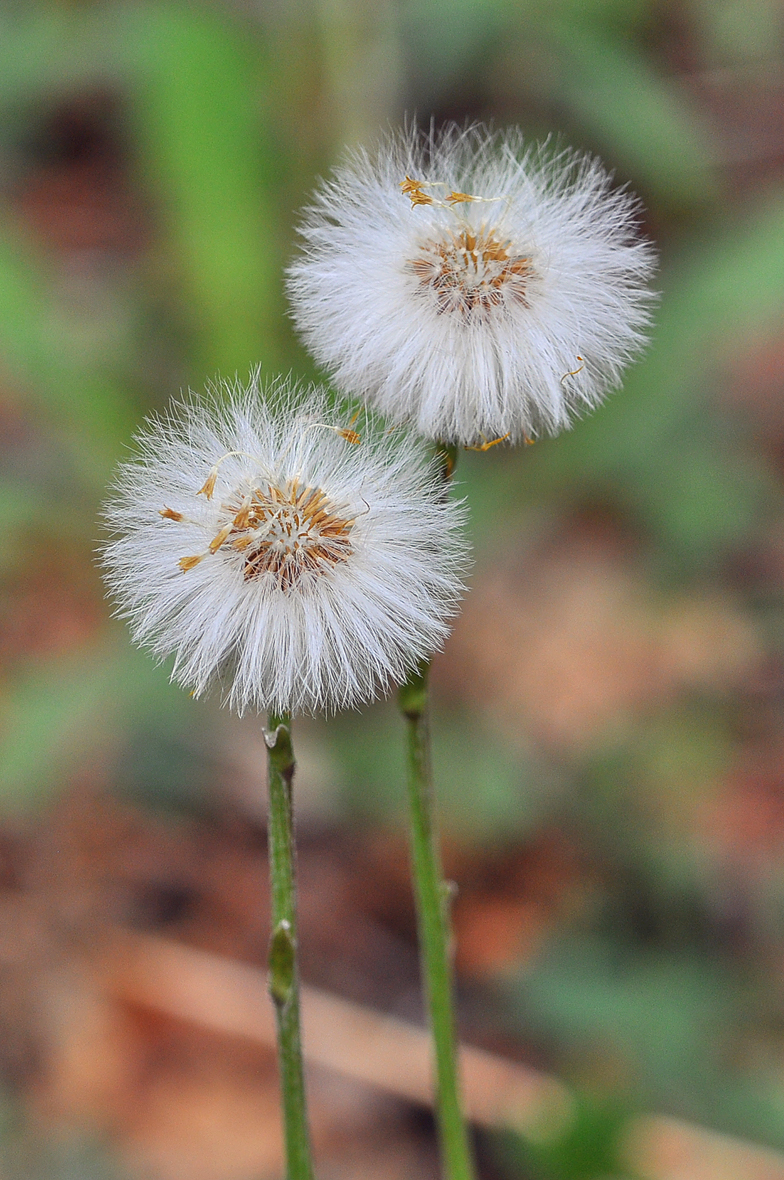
(291, 532)
(471, 272)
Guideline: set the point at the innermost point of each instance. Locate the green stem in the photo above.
(432, 898)
(283, 973)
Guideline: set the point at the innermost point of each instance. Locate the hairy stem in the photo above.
(283, 972)
(433, 900)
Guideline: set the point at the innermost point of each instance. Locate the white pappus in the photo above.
(270, 547)
(470, 285)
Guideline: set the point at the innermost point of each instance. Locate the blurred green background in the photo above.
(609, 732)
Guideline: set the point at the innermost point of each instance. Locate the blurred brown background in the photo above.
(609, 731)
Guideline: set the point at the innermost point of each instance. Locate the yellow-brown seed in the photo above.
(222, 536)
(188, 563)
(209, 484)
(471, 270)
(414, 190)
(289, 532)
(486, 444)
(456, 198)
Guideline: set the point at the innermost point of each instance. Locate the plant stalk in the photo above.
(433, 904)
(283, 972)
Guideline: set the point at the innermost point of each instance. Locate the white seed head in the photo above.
(269, 547)
(471, 286)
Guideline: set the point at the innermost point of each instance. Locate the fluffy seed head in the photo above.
(470, 285)
(266, 545)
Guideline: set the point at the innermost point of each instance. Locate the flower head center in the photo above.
(290, 532)
(471, 272)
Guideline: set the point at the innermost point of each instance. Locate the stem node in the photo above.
(282, 962)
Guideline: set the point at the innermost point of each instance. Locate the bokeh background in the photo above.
(609, 735)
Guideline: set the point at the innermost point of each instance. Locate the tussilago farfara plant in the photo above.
(464, 285)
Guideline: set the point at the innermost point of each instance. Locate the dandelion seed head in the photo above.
(454, 279)
(289, 533)
(297, 563)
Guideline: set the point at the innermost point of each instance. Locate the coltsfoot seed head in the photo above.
(472, 286)
(301, 564)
